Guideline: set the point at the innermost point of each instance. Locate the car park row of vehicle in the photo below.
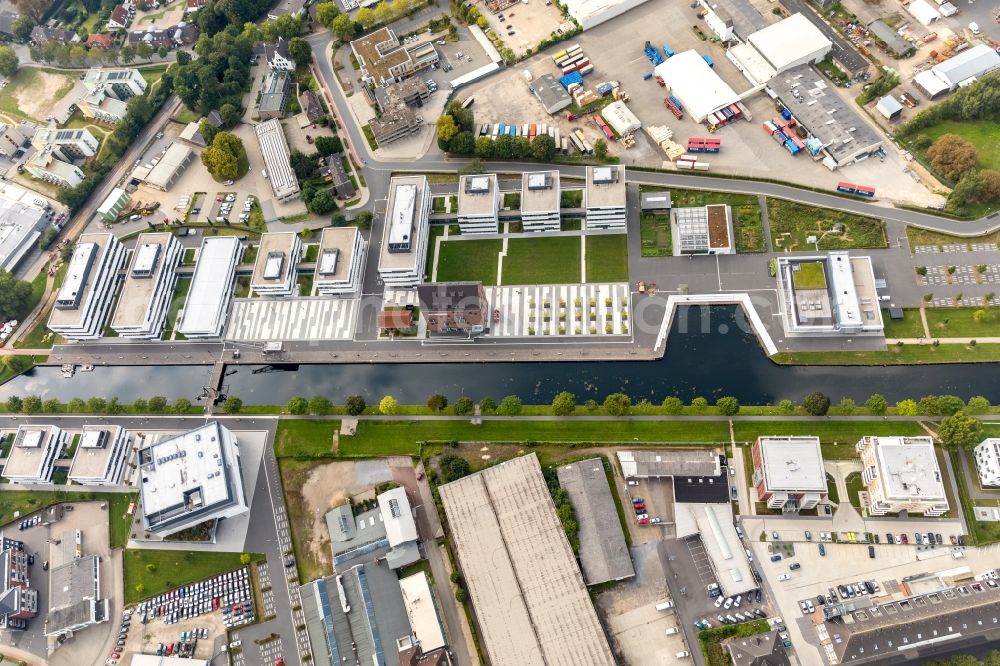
(231, 592)
(185, 646)
(639, 506)
(116, 651)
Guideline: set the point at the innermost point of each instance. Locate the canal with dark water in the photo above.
(710, 352)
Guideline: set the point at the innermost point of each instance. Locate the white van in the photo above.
(683, 653)
(672, 630)
(974, 27)
(664, 605)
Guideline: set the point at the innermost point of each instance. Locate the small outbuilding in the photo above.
(890, 108)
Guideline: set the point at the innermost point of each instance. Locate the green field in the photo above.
(844, 433)
(31, 78)
(963, 322)
(909, 326)
(983, 134)
(654, 232)
(792, 223)
(811, 275)
(542, 260)
(924, 237)
(897, 355)
(607, 258)
(469, 260)
(161, 570)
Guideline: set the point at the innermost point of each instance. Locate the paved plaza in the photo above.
(565, 309)
(258, 319)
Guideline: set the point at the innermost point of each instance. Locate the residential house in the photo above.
(987, 456)
(395, 321)
(151, 37)
(100, 40)
(45, 165)
(332, 171)
(311, 106)
(108, 91)
(120, 18)
(194, 5)
(277, 56)
(12, 139)
(454, 308)
(41, 34)
(184, 34)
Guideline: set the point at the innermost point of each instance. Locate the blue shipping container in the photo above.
(647, 76)
(676, 103)
(786, 114)
(708, 61)
(792, 148)
(669, 51)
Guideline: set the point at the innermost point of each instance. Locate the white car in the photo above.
(235, 644)
(738, 600)
(640, 516)
(728, 604)
(719, 601)
(784, 576)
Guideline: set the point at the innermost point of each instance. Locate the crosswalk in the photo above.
(258, 319)
(560, 310)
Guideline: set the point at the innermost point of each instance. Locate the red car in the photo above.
(644, 521)
(903, 538)
(639, 507)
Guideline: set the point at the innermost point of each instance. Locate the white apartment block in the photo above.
(540, 201)
(33, 454)
(479, 204)
(404, 239)
(149, 286)
(45, 165)
(604, 198)
(101, 456)
(108, 90)
(191, 478)
(85, 297)
(340, 263)
(274, 271)
(68, 144)
(11, 139)
(902, 474)
(212, 288)
(987, 456)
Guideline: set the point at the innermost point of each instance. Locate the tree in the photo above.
(181, 406)
(326, 12)
(343, 27)
(672, 405)
(876, 404)
(320, 405)
(76, 406)
(163, 52)
(14, 296)
(437, 402)
(461, 595)
(952, 156)
(52, 406)
(846, 406)
(728, 406)
(366, 17)
(157, 404)
(33, 8)
(297, 405)
(232, 405)
(388, 405)
(244, 558)
(978, 405)
(960, 430)
(322, 202)
(8, 61)
(21, 27)
(510, 406)
(699, 404)
(96, 405)
(446, 129)
(504, 147)
(143, 51)
(454, 467)
(207, 131)
(140, 588)
(906, 408)
(363, 220)
(225, 157)
(464, 405)
(600, 149)
(564, 403)
(816, 404)
(616, 404)
(31, 405)
(992, 658)
(230, 114)
(14, 404)
(963, 660)
(328, 145)
(355, 405)
(990, 185)
(462, 143)
(127, 53)
(300, 51)
(13, 364)
(140, 406)
(543, 148)
(487, 405)
(303, 165)
(484, 147)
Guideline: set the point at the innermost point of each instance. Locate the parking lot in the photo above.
(524, 25)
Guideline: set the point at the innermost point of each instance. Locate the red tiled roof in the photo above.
(395, 319)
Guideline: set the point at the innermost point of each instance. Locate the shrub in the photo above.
(816, 404)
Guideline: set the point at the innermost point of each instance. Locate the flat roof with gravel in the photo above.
(336, 252)
(269, 270)
(684, 462)
(539, 191)
(604, 555)
(522, 576)
(605, 187)
(142, 279)
(793, 464)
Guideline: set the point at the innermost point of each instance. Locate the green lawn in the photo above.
(170, 569)
(312, 439)
(896, 355)
(39, 337)
(845, 433)
(855, 484)
(571, 199)
(654, 234)
(962, 322)
(30, 78)
(542, 260)
(811, 275)
(180, 293)
(909, 326)
(981, 533)
(923, 237)
(512, 200)
(791, 224)
(607, 258)
(469, 260)
(983, 134)
(745, 209)
(436, 231)
(711, 640)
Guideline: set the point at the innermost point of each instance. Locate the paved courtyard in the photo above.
(257, 319)
(564, 309)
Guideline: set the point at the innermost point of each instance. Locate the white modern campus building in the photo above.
(340, 261)
(902, 474)
(274, 150)
(478, 204)
(101, 456)
(33, 454)
(987, 456)
(108, 91)
(828, 295)
(85, 296)
(604, 198)
(274, 271)
(540, 201)
(21, 222)
(788, 473)
(211, 289)
(404, 240)
(149, 286)
(189, 479)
